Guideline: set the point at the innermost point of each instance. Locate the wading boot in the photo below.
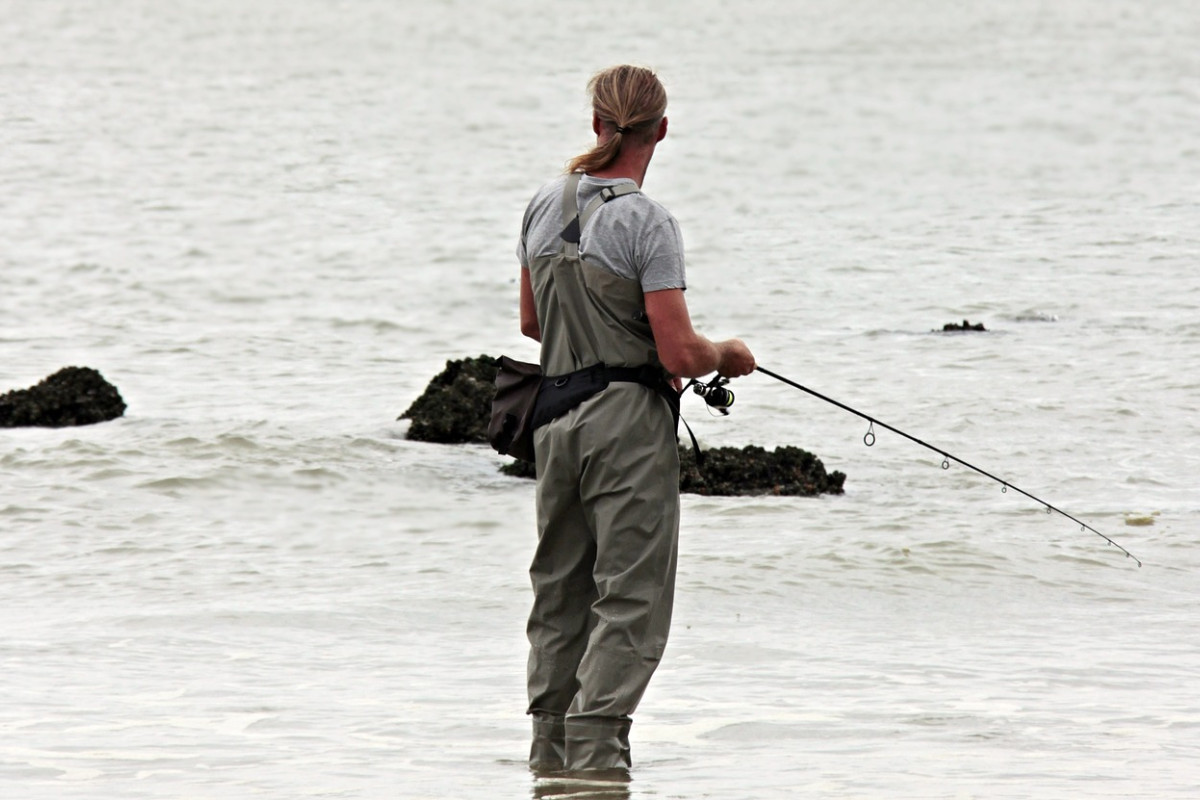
(598, 743)
(547, 753)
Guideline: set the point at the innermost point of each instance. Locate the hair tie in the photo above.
(624, 128)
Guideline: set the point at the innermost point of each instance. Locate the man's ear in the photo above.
(662, 129)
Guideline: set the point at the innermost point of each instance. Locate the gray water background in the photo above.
(271, 223)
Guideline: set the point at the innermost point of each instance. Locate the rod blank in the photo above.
(869, 439)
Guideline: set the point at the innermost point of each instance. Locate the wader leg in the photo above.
(630, 488)
(563, 591)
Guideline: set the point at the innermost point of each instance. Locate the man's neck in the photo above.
(632, 163)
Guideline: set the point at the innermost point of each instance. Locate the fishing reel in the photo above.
(714, 393)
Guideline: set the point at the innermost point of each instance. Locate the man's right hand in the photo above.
(736, 359)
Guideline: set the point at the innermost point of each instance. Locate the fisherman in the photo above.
(602, 289)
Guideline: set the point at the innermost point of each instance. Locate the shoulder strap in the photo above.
(570, 203)
(606, 194)
(570, 212)
(573, 221)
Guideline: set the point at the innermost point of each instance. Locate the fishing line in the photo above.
(869, 440)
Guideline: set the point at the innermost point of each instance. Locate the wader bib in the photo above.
(607, 513)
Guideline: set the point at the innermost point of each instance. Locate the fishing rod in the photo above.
(716, 395)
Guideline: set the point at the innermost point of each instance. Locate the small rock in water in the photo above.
(965, 326)
(71, 396)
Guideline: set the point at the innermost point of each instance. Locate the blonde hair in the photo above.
(630, 99)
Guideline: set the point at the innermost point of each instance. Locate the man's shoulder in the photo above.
(638, 203)
(551, 189)
(646, 211)
(545, 203)
(657, 209)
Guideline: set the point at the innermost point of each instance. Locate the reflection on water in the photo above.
(597, 784)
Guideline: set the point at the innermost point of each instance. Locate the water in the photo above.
(270, 224)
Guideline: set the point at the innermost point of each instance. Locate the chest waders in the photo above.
(607, 510)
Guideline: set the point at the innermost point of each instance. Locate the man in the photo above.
(602, 283)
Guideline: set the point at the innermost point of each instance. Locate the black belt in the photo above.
(561, 393)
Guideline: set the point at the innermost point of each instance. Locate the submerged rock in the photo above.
(965, 326)
(751, 470)
(520, 469)
(71, 396)
(455, 407)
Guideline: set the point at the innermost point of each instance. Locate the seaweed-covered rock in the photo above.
(456, 405)
(752, 470)
(71, 396)
(965, 326)
(520, 469)
(749, 470)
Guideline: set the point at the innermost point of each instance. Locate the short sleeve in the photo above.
(661, 257)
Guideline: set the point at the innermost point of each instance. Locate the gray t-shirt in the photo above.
(631, 236)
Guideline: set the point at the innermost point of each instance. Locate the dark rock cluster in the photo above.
(71, 396)
(748, 470)
(455, 407)
(752, 470)
(965, 326)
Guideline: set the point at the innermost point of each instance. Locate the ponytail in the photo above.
(629, 99)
